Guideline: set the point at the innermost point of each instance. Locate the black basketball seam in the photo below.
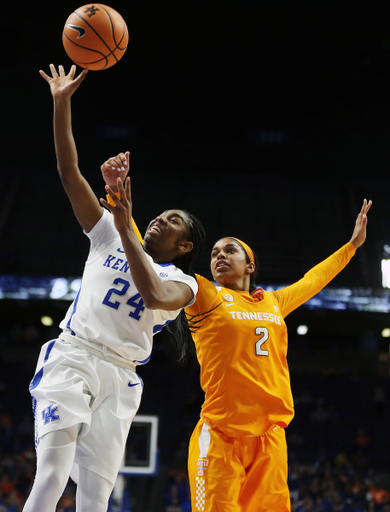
(91, 50)
(99, 36)
(124, 33)
(112, 28)
(113, 31)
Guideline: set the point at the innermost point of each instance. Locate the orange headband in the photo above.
(247, 249)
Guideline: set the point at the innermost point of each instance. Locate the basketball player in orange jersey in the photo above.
(238, 451)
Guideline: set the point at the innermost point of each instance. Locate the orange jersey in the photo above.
(242, 349)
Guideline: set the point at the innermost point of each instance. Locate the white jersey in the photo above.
(108, 310)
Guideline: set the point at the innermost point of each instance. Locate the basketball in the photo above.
(95, 36)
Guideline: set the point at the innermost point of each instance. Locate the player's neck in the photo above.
(241, 284)
(161, 259)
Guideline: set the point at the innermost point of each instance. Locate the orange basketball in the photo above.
(95, 36)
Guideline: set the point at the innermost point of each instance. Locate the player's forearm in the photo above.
(321, 275)
(145, 279)
(65, 146)
(315, 280)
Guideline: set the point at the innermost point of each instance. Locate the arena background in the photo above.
(268, 121)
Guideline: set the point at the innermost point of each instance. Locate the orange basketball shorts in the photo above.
(238, 474)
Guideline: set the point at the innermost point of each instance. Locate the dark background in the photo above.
(268, 120)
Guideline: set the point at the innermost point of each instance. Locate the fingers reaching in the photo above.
(114, 167)
(117, 163)
(359, 233)
(60, 78)
(120, 207)
(127, 189)
(53, 70)
(44, 75)
(120, 162)
(366, 206)
(117, 198)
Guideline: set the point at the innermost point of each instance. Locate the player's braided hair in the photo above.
(197, 235)
(179, 328)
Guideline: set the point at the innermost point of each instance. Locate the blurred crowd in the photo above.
(332, 464)
(343, 483)
(338, 441)
(17, 465)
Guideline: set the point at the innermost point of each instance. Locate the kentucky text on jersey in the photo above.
(115, 263)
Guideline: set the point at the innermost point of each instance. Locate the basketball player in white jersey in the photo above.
(86, 390)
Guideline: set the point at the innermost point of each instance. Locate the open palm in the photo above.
(62, 84)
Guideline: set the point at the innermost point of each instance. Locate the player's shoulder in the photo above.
(203, 281)
(169, 272)
(203, 295)
(205, 286)
(166, 270)
(105, 225)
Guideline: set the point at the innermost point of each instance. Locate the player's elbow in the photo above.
(170, 297)
(154, 300)
(151, 303)
(68, 172)
(160, 302)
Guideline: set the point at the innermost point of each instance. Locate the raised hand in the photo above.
(359, 233)
(114, 168)
(62, 85)
(121, 208)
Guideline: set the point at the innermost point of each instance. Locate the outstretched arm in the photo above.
(83, 200)
(318, 277)
(359, 233)
(168, 295)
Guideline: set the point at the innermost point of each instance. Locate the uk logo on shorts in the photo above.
(50, 414)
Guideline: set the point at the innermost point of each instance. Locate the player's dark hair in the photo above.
(179, 328)
(197, 235)
(254, 275)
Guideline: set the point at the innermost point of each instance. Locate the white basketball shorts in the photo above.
(72, 386)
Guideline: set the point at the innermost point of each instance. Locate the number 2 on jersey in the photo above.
(263, 333)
